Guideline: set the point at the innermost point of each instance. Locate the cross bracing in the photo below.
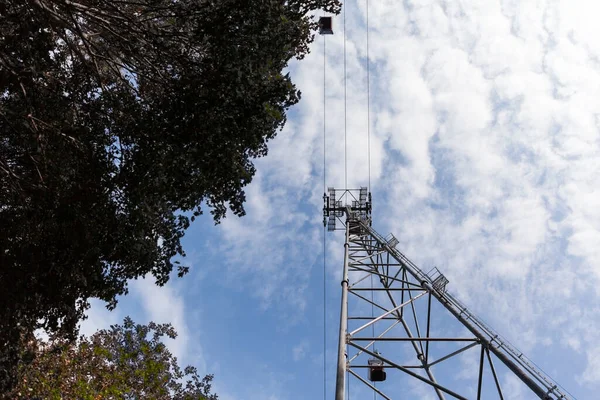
(388, 321)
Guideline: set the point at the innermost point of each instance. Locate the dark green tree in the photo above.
(118, 121)
(127, 361)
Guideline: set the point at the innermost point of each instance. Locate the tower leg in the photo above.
(340, 381)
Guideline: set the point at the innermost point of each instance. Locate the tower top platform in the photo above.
(353, 203)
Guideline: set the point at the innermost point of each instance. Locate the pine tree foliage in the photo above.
(121, 121)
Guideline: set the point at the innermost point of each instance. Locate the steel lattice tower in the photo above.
(378, 277)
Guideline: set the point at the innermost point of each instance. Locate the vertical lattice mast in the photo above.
(376, 276)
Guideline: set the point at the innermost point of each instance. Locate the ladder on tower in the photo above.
(377, 275)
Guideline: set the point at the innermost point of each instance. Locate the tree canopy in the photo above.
(128, 361)
(119, 122)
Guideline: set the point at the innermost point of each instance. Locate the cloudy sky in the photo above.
(485, 162)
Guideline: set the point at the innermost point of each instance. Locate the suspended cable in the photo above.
(324, 316)
(324, 227)
(324, 114)
(345, 110)
(369, 161)
(324, 313)
(346, 149)
(368, 99)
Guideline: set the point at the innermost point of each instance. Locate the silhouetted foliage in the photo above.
(116, 118)
(127, 361)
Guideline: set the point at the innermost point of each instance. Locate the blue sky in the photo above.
(485, 162)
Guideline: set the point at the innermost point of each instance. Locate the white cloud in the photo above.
(592, 370)
(485, 128)
(485, 157)
(98, 317)
(166, 305)
(147, 302)
(512, 388)
(299, 351)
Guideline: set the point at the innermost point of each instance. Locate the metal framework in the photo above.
(394, 306)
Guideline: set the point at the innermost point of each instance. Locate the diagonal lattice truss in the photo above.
(405, 320)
